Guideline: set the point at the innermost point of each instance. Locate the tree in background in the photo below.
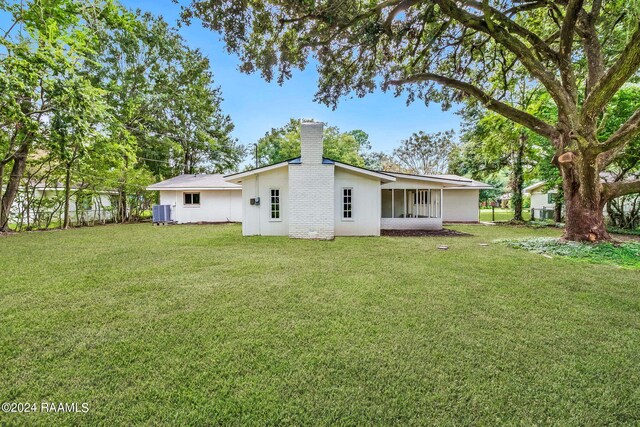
(624, 211)
(381, 161)
(73, 130)
(425, 153)
(581, 53)
(110, 99)
(42, 74)
(283, 143)
(493, 144)
(167, 111)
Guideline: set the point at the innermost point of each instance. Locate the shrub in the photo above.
(625, 254)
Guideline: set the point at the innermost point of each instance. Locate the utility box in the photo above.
(161, 214)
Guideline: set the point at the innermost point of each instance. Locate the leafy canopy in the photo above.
(283, 143)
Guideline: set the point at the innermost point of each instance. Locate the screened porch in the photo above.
(411, 208)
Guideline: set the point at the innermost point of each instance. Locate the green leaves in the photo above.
(110, 98)
(284, 143)
(424, 153)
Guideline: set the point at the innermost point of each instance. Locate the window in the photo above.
(191, 199)
(347, 211)
(551, 198)
(275, 204)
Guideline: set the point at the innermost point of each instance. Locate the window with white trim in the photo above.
(191, 199)
(347, 203)
(275, 203)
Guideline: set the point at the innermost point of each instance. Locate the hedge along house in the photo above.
(198, 198)
(313, 197)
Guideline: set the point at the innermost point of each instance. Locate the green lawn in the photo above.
(502, 214)
(196, 325)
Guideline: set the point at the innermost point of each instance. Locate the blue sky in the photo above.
(256, 106)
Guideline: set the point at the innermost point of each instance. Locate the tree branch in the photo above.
(611, 190)
(563, 99)
(592, 48)
(626, 66)
(566, 45)
(401, 7)
(525, 119)
(624, 134)
(537, 43)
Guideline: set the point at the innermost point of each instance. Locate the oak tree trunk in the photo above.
(122, 206)
(517, 180)
(67, 196)
(13, 185)
(584, 199)
(1, 192)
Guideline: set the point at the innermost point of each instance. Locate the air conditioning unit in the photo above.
(161, 214)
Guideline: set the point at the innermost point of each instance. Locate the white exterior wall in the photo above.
(539, 200)
(411, 184)
(411, 223)
(215, 206)
(461, 205)
(100, 206)
(365, 203)
(256, 220)
(311, 197)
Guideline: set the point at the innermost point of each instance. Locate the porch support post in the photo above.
(441, 203)
(393, 203)
(405, 203)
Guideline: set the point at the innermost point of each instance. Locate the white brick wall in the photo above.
(311, 189)
(311, 145)
(311, 201)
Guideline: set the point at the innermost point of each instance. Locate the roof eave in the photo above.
(237, 177)
(151, 188)
(383, 177)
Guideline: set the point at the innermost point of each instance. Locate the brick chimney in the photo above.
(311, 192)
(311, 142)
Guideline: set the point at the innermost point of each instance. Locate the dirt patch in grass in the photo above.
(424, 233)
(625, 237)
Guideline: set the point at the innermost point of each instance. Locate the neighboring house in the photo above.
(45, 203)
(543, 202)
(315, 197)
(201, 198)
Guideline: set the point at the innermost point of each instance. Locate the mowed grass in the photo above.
(197, 325)
(502, 215)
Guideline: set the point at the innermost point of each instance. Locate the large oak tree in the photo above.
(582, 52)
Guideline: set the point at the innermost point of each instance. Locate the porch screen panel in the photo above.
(399, 204)
(412, 204)
(387, 203)
(422, 204)
(435, 203)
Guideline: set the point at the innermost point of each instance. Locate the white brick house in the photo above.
(318, 198)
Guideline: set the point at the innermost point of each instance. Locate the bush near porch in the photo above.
(190, 325)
